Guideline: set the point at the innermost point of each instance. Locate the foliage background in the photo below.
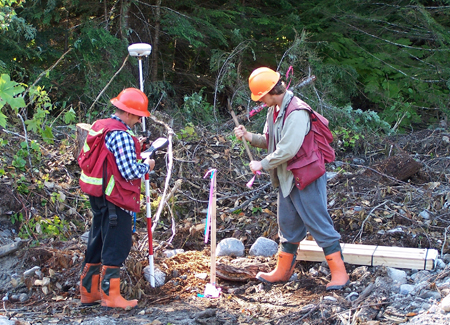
(381, 66)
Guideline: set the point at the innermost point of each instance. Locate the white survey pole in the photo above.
(141, 50)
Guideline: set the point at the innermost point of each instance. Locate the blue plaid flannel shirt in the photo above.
(121, 144)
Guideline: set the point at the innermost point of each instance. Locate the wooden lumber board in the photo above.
(372, 255)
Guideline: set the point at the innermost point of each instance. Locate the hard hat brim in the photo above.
(125, 108)
(256, 98)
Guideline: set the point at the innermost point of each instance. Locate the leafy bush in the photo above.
(197, 110)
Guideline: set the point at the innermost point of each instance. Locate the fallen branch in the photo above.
(26, 140)
(167, 182)
(364, 294)
(46, 71)
(367, 218)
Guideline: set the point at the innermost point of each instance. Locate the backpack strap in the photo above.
(290, 108)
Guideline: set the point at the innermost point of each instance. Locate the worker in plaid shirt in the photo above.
(112, 169)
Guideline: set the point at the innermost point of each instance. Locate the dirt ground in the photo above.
(366, 199)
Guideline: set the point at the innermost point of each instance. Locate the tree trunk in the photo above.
(156, 41)
(81, 135)
(105, 9)
(124, 10)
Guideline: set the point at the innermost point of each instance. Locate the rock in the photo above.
(49, 185)
(31, 271)
(264, 247)
(6, 321)
(201, 276)
(206, 313)
(173, 252)
(331, 175)
(397, 275)
(445, 303)
(447, 258)
(365, 315)
(313, 272)
(424, 214)
(395, 230)
(160, 276)
(359, 271)
(424, 285)
(420, 276)
(84, 237)
(352, 296)
(329, 298)
(440, 264)
(359, 161)
(23, 297)
(230, 247)
(307, 308)
(427, 294)
(406, 289)
(324, 270)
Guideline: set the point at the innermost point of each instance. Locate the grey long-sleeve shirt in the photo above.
(284, 142)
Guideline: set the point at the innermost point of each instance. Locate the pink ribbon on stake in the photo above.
(211, 191)
(250, 182)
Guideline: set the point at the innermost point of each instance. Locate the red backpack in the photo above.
(319, 126)
(309, 162)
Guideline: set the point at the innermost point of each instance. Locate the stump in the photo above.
(401, 166)
(81, 135)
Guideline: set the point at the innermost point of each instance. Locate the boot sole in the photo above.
(338, 287)
(263, 280)
(87, 304)
(266, 281)
(126, 309)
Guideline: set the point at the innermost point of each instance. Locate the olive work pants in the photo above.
(306, 210)
(109, 245)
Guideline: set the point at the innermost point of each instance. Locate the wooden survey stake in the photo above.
(372, 255)
(213, 233)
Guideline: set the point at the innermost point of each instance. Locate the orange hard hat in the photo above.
(261, 81)
(133, 101)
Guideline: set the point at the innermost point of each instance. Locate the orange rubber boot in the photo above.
(89, 284)
(339, 276)
(110, 289)
(285, 267)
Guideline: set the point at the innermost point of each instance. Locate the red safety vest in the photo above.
(123, 193)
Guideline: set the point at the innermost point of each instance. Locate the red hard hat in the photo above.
(261, 81)
(133, 101)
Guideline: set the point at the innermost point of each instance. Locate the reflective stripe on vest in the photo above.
(110, 186)
(95, 133)
(86, 147)
(90, 180)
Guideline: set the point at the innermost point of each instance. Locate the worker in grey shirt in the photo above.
(299, 211)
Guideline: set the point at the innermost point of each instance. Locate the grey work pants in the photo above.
(306, 210)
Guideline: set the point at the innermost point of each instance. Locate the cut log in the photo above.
(243, 273)
(81, 135)
(372, 255)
